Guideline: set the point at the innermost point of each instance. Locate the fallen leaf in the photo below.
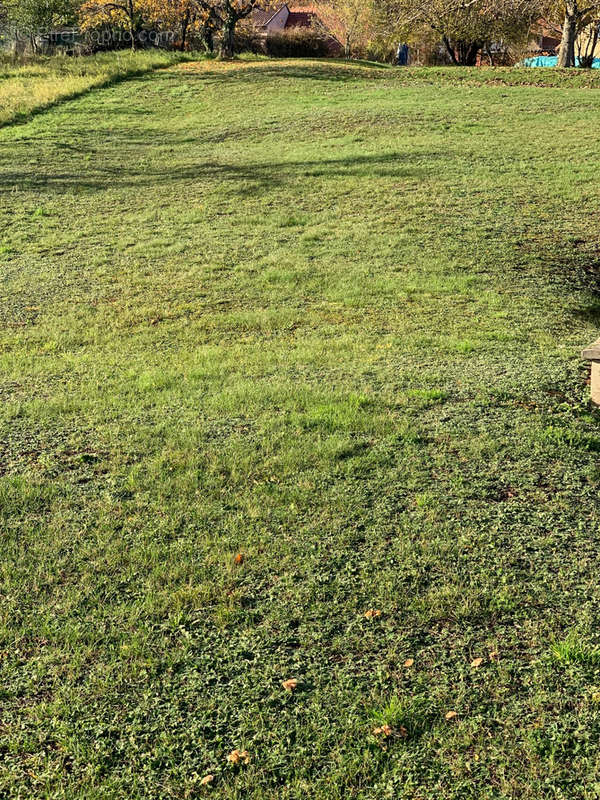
(403, 732)
(372, 612)
(290, 684)
(409, 662)
(237, 756)
(239, 559)
(494, 656)
(477, 662)
(206, 780)
(451, 714)
(385, 730)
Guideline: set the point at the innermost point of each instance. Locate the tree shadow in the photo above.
(573, 266)
(262, 176)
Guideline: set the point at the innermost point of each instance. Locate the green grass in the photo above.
(31, 85)
(327, 317)
(574, 650)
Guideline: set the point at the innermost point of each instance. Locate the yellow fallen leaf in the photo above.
(372, 612)
(239, 559)
(477, 662)
(385, 730)
(290, 684)
(451, 714)
(409, 662)
(206, 780)
(494, 656)
(237, 756)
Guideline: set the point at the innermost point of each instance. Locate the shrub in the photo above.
(293, 43)
(381, 51)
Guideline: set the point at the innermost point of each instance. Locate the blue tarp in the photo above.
(551, 61)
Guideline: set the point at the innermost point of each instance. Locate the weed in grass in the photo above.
(409, 717)
(574, 650)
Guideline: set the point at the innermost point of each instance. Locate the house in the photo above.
(548, 35)
(546, 38)
(276, 20)
(269, 20)
(280, 19)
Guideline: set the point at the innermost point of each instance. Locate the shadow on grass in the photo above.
(570, 265)
(263, 176)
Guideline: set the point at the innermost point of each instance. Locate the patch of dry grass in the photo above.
(26, 87)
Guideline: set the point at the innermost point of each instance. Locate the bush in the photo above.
(381, 51)
(294, 43)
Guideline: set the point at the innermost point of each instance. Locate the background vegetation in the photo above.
(499, 31)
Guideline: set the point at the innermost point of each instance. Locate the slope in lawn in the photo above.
(42, 82)
(283, 344)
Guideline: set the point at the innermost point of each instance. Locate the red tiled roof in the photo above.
(301, 19)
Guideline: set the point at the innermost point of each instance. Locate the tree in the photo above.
(352, 22)
(112, 15)
(225, 15)
(576, 21)
(466, 27)
(178, 17)
(587, 43)
(31, 18)
(207, 27)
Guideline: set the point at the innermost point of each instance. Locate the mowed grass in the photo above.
(30, 85)
(284, 343)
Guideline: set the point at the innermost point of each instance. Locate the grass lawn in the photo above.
(282, 344)
(27, 87)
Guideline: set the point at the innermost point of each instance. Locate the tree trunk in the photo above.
(566, 54)
(130, 18)
(586, 53)
(469, 53)
(207, 39)
(463, 54)
(184, 26)
(347, 46)
(227, 40)
(450, 50)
